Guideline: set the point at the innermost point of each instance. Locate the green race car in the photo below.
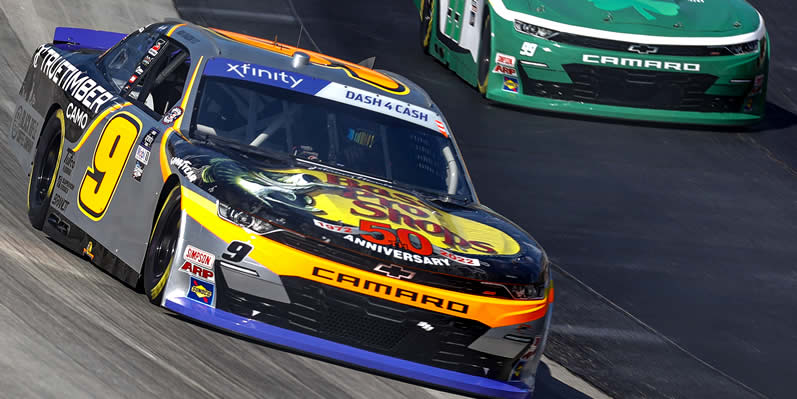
(681, 61)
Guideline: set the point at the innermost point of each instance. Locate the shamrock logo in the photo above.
(644, 7)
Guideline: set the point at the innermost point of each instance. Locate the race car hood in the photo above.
(309, 204)
(647, 17)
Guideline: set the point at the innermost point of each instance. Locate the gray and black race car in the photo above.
(284, 195)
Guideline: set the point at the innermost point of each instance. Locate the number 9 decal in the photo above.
(110, 158)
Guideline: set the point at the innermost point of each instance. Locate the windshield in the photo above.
(328, 133)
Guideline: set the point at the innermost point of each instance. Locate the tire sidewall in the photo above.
(427, 18)
(154, 287)
(485, 50)
(52, 134)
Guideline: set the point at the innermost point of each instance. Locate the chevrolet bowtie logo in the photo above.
(643, 49)
(395, 271)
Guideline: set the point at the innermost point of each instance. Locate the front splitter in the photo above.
(359, 357)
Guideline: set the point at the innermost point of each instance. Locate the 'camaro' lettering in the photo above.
(639, 63)
(385, 291)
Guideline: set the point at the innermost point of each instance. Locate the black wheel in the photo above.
(426, 24)
(46, 162)
(161, 248)
(485, 54)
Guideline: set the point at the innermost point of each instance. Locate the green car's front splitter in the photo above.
(611, 111)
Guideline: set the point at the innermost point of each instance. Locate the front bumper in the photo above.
(266, 296)
(333, 350)
(557, 76)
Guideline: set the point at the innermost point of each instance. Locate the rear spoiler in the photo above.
(88, 39)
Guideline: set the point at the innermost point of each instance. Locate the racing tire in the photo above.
(485, 54)
(161, 249)
(46, 163)
(426, 24)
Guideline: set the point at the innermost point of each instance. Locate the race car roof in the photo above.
(217, 43)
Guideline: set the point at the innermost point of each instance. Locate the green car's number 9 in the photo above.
(110, 158)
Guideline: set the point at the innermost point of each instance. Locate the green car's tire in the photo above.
(485, 54)
(426, 24)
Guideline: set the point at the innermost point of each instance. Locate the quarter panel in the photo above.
(125, 225)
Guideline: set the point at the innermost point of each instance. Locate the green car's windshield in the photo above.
(325, 132)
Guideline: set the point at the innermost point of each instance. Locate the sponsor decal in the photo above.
(228, 68)
(139, 70)
(146, 60)
(346, 281)
(372, 209)
(402, 244)
(399, 254)
(198, 272)
(64, 185)
(502, 69)
(25, 127)
(426, 326)
(142, 155)
(69, 163)
(640, 63)
(185, 168)
(385, 103)
(458, 258)
(201, 291)
(335, 228)
(149, 138)
(156, 48)
(510, 84)
(395, 271)
(59, 202)
(322, 88)
(172, 115)
(73, 81)
(87, 250)
(758, 83)
(199, 257)
(528, 49)
(138, 171)
(504, 59)
(748, 104)
(75, 114)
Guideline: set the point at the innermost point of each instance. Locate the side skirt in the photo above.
(76, 240)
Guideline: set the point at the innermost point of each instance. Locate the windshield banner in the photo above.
(227, 68)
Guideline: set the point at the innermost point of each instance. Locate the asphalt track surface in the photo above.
(675, 247)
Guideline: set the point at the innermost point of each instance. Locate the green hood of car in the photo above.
(647, 17)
